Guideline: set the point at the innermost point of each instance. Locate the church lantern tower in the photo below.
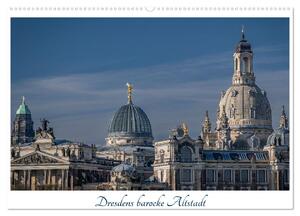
(243, 63)
(22, 131)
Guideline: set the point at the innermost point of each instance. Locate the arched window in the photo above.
(245, 65)
(252, 113)
(186, 154)
(236, 63)
(162, 157)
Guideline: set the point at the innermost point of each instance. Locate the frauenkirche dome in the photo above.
(246, 105)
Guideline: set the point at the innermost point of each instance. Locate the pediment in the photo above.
(37, 158)
(44, 135)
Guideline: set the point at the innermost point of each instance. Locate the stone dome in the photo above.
(124, 168)
(246, 106)
(130, 121)
(124, 171)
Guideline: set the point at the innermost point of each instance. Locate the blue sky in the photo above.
(74, 71)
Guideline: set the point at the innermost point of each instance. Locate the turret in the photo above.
(22, 131)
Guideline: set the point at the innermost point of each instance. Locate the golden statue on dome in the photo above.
(129, 91)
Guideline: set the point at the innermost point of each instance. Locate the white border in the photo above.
(87, 200)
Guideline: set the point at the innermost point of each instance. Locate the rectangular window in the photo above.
(210, 175)
(286, 176)
(186, 176)
(261, 176)
(227, 175)
(244, 176)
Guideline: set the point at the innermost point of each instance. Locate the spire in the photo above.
(206, 125)
(223, 119)
(23, 125)
(243, 33)
(23, 108)
(283, 119)
(223, 131)
(129, 92)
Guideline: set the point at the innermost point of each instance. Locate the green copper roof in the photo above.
(23, 108)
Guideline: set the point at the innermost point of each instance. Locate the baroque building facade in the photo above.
(185, 164)
(48, 163)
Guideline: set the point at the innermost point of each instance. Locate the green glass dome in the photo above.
(130, 121)
(23, 108)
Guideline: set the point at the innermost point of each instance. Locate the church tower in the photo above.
(246, 105)
(223, 132)
(22, 131)
(283, 120)
(206, 127)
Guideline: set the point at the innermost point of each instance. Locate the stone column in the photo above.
(12, 183)
(66, 179)
(173, 185)
(25, 180)
(54, 180)
(277, 180)
(28, 180)
(49, 177)
(62, 178)
(198, 179)
(71, 180)
(45, 177)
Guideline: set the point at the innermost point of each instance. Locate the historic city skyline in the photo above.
(79, 101)
(243, 152)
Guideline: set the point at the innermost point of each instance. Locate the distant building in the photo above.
(52, 164)
(22, 130)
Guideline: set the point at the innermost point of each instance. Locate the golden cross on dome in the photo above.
(129, 91)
